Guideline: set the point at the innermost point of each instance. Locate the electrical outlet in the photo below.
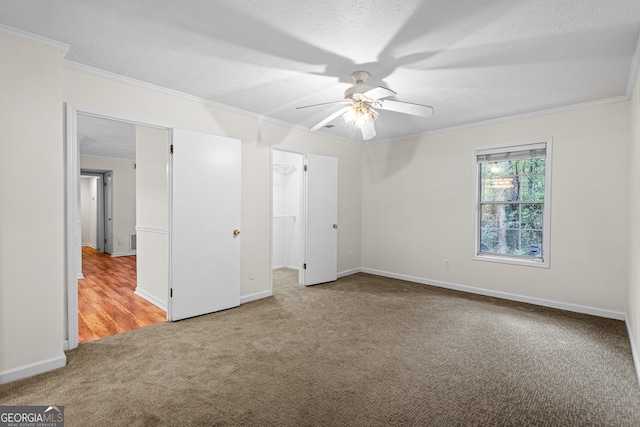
(447, 263)
(252, 274)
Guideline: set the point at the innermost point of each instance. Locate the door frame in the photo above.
(73, 244)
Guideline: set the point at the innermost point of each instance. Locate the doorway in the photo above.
(168, 218)
(305, 215)
(107, 303)
(96, 201)
(108, 299)
(287, 214)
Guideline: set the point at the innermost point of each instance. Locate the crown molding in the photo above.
(185, 96)
(505, 119)
(61, 48)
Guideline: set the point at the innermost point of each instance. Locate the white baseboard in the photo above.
(91, 245)
(32, 369)
(256, 296)
(118, 254)
(504, 295)
(153, 300)
(80, 276)
(349, 272)
(634, 350)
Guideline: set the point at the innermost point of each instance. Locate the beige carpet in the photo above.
(363, 351)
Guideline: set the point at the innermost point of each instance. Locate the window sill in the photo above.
(513, 261)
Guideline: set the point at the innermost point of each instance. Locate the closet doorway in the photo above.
(305, 216)
(287, 248)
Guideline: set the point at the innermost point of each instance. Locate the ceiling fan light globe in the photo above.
(360, 114)
(368, 116)
(350, 116)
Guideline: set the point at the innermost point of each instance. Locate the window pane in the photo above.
(531, 243)
(509, 180)
(534, 166)
(511, 229)
(531, 216)
(532, 187)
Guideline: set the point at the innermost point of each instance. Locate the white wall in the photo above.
(633, 303)
(124, 198)
(89, 210)
(152, 106)
(418, 197)
(32, 263)
(152, 214)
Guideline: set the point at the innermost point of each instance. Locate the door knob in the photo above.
(335, 226)
(236, 232)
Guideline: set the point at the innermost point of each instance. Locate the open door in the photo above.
(204, 224)
(320, 220)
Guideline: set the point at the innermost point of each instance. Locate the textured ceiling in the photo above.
(106, 138)
(472, 60)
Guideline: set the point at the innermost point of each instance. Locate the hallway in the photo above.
(107, 304)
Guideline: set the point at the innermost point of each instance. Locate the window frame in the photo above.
(544, 261)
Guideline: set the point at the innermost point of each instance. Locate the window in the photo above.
(512, 215)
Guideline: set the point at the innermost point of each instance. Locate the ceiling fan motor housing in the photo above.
(355, 92)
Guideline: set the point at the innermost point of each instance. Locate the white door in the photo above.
(320, 220)
(204, 224)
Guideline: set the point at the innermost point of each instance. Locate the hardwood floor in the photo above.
(106, 302)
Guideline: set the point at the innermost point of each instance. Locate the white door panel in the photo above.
(205, 211)
(321, 219)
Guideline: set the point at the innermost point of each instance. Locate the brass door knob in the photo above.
(236, 232)
(335, 226)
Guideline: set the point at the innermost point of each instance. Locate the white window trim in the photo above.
(546, 225)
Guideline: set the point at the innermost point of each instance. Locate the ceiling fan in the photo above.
(361, 103)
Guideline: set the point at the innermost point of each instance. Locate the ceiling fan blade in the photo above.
(378, 93)
(324, 103)
(368, 131)
(406, 107)
(331, 117)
